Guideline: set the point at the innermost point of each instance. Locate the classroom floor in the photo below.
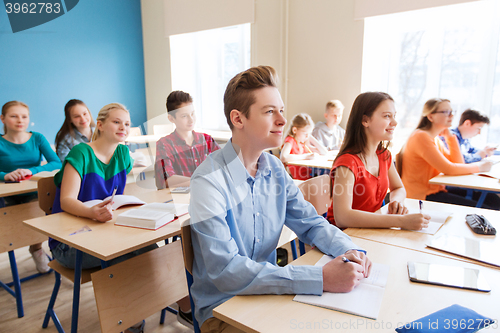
(36, 294)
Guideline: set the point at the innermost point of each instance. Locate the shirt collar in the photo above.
(237, 170)
(179, 140)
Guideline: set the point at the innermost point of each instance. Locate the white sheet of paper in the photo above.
(365, 300)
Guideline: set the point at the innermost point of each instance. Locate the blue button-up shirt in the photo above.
(470, 153)
(236, 221)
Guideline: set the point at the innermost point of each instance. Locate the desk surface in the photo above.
(107, 241)
(25, 186)
(455, 225)
(403, 301)
(322, 162)
(473, 181)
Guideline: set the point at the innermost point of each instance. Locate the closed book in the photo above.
(151, 216)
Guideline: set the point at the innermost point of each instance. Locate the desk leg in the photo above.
(76, 291)
(17, 284)
(481, 199)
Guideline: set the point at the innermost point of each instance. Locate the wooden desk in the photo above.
(26, 186)
(105, 240)
(320, 162)
(143, 139)
(455, 225)
(471, 182)
(403, 301)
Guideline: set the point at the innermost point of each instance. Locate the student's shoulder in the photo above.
(347, 160)
(38, 136)
(214, 162)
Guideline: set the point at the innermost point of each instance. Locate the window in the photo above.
(449, 52)
(202, 63)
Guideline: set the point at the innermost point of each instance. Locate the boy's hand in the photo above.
(487, 151)
(396, 207)
(102, 212)
(342, 277)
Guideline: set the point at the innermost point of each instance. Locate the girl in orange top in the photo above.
(300, 145)
(425, 156)
(363, 170)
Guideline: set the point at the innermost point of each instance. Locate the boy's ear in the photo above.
(171, 118)
(467, 123)
(236, 118)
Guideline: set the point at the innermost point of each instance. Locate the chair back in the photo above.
(163, 129)
(135, 131)
(135, 289)
(399, 162)
(14, 234)
(46, 194)
(316, 190)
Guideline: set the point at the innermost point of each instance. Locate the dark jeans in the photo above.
(66, 255)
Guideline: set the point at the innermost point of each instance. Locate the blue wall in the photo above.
(93, 52)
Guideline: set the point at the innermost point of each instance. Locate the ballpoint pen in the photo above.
(113, 195)
(420, 205)
(344, 259)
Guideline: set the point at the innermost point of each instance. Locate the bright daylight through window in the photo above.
(449, 52)
(202, 63)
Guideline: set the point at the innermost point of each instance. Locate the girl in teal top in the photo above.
(92, 171)
(20, 157)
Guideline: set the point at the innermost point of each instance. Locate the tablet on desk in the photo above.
(449, 276)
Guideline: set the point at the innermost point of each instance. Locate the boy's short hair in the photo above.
(239, 92)
(334, 103)
(474, 117)
(175, 99)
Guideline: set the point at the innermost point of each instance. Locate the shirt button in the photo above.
(258, 240)
(258, 214)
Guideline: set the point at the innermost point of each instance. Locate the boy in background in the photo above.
(241, 197)
(329, 133)
(471, 123)
(179, 153)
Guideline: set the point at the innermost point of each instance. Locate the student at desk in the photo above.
(92, 171)
(241, 197)
(363, 170)
(471, 123)
(179, 154)
(329, 133)
(20, 156)
(300, 145)
(425, 156)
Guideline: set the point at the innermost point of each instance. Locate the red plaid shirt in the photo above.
(175, 157)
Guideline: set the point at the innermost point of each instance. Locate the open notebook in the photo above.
(438, 218)
(365, 300)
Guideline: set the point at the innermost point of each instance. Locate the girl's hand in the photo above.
(310, 156)
(396, 207)
(102, 212)
(446, 133)
(17, 175)
(415, 221)
(485, 166)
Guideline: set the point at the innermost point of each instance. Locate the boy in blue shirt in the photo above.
(241, 197)
(471, 123)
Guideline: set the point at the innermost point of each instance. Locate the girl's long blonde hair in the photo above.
(104, 114)
(7, 106)
(299, 121)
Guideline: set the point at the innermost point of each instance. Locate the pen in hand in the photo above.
(113, 195)
(344, 259)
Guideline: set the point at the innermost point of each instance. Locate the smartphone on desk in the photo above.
(449, 276)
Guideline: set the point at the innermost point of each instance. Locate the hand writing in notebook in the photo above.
(342, 277)
(102, 212)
